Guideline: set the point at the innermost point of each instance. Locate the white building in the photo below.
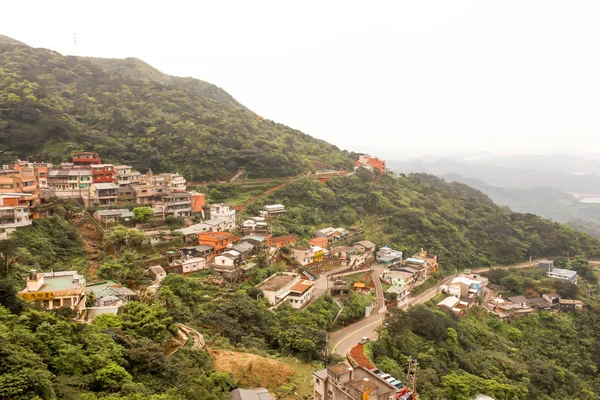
(271, 210)
(194, 264)
(126, 175)
(13, 215)
(225, 213)
(564, 274)
(228, 258)
(300, 294)
(286, 286)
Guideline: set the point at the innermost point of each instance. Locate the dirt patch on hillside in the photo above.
(358, 353)
(253, 370)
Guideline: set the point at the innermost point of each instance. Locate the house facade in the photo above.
(224, 213)
(56, 289)
(302, 254)
(341, 382)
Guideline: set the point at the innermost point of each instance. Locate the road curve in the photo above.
(343, 340)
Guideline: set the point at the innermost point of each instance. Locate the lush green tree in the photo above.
(151, 321)
(112, 377)
(120, 236)
(142, 214)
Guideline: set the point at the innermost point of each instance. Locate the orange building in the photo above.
(198, 202)
(86, 158)
(12, 181)
(103, 173)
(319, 241)
(219, 240)
(282, 241)
(372, 163)
(377, 164)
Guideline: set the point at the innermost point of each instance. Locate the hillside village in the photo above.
(191, 237)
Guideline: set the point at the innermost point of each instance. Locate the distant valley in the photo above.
(562, 187)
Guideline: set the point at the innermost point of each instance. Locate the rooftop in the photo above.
(563, 272)
(255, 237)
(277, 282)
(415, 261)
(449, 302)
(250, 394)
(339, 368)
(301, 286)
(366, 243)
(569, 301)
(104, 186)
(285, 238)
(518, 299)
(58, 281)
(110, 213)
(243, 247)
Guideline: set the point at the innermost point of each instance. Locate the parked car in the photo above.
(365, 340)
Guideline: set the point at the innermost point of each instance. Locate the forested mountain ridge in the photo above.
(136, 69)
(458, 223)
(52, 105)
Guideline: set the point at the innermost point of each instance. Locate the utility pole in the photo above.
(415, 369)
(414, 366)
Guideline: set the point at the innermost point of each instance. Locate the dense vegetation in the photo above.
(546, 355)
(458, 223)
(51, 105)
(46, 355)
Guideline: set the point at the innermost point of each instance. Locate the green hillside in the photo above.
(460, 224)
(51, 105)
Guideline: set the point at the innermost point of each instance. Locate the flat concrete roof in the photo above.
(277, 282)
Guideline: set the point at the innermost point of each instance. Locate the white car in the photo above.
(365, 340)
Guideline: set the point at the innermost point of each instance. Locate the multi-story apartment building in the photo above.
(13, 181)
(103, 173)
(102, 194)
(86, 158)
(73, 182)
(12, 213)
(225, 213)
(125, 175)
(178, 204)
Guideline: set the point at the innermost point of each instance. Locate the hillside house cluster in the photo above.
(464, 289)
(404, 274)
(105, 185)
(519, 306)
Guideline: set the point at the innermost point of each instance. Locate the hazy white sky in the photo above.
(419, 76)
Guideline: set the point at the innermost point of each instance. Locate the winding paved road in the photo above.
(343, 340)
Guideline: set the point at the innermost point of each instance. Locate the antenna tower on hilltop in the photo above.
(75, 45)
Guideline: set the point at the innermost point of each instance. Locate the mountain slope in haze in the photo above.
(52, 105)
(528, 191)
(522, 174)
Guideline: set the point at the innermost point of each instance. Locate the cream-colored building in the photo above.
(56, 289)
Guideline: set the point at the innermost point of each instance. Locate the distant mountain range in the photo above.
(535, 184)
